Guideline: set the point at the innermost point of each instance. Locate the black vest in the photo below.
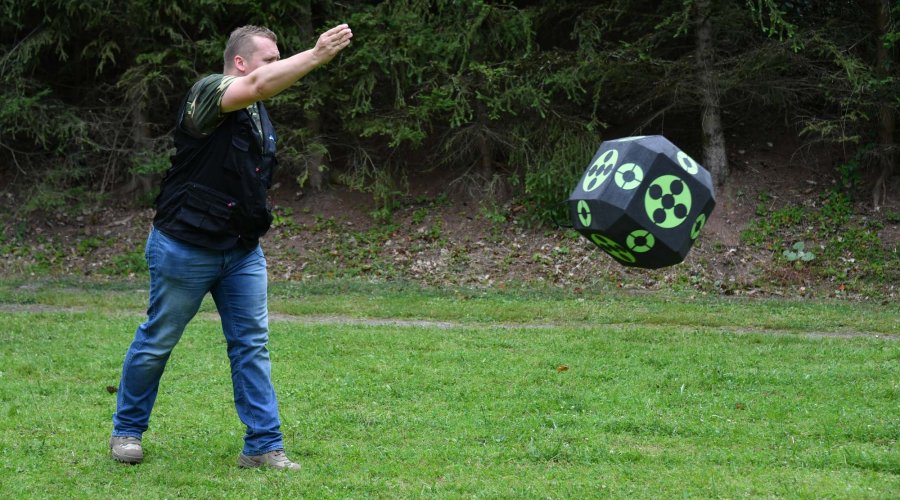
(214, 194)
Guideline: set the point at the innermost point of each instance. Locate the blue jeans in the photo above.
(180, 276)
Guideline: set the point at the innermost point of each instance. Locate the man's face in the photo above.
(266, 52)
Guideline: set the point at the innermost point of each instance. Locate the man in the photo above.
(210, 213)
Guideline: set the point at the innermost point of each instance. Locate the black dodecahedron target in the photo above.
(643, 201)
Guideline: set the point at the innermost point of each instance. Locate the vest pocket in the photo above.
(206, 209)
(239, 157)
(253, 221)
(240, 142)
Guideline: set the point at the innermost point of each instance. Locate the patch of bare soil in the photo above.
(440, 237)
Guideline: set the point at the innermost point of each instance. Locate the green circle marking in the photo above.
(668, 201)
(612, 248)
(584, 213)
(600, 170)
(687, 163)
(640, 240)
(698, 225)
(629, 176)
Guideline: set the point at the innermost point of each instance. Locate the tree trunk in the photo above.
(485, 148)
(138, 184)
(886, 117)
(715, 158)
(315, 168)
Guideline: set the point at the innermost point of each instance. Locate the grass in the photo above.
(500, 394)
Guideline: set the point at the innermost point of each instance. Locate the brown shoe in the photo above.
(274, 459)
(126, 449)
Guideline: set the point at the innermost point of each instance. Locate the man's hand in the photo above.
(331, 42)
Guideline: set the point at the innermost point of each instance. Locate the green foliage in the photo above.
(321, 223)
(47, 257)
(87, 246)
(283, 217)
(148, 162)
(849, 247)
(771, 19)
(762, 206)
(493, 214)
(419, 215)
(471, 48)
(126, 264)
(514, 90)
(554, 164)
(850, 176)
(355, 253)
(853, 86)
(387, 195)
(455, 78)
(798, 253)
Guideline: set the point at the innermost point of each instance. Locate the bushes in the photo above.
(845, 246)
(508, 93)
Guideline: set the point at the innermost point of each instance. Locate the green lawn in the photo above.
(465, 393)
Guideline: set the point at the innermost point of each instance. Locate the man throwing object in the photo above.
(210, 213)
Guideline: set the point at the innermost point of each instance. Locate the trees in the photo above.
(844, 51)
(885, 71)
(87, 89)
(715, 156)
(511, 93)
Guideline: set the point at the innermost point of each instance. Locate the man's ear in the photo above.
(240, 64)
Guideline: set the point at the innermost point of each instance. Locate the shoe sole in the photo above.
(248, 463)
(125, 459)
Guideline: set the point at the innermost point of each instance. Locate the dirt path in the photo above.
(424, 323)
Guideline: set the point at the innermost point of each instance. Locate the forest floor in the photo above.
(438, 237)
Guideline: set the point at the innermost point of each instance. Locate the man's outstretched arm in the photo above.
(270, 79)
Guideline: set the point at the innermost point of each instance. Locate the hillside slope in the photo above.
(441, 238)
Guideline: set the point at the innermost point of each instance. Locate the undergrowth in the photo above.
(841, 244)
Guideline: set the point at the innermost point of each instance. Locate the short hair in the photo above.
(241, 41)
